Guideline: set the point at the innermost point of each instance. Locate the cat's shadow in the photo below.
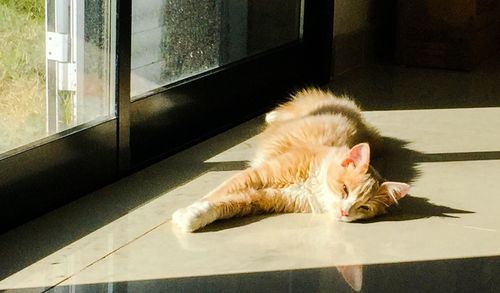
(413, 207)
(234, 223)
(396, 162)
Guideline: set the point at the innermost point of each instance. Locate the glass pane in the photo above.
(54, 67)
(174, 39)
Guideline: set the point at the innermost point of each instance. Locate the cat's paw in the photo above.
(194, 217)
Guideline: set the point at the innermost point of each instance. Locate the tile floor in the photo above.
(443, 137)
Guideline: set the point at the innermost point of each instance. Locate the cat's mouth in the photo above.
(345, 219)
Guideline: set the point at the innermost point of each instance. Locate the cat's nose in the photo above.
(344, 213)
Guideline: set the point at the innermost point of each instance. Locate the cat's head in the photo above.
(356, 189)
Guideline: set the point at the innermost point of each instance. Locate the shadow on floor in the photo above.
(474, 274)
(234, 223)
(403, 166)
(391, 87)
(412, 208)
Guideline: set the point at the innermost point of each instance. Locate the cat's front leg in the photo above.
(197, 215)
(247, 192)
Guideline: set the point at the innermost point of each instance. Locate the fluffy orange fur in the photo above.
(313, 156)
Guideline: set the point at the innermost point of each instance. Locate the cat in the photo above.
(313, 157)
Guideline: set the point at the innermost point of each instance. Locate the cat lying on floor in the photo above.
(313, 157)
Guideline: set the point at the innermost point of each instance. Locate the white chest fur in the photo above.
(310, 192)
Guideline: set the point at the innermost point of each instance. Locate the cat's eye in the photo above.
(345, 190)
(364, 208)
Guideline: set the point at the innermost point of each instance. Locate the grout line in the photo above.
(479, 228)
(106, 255)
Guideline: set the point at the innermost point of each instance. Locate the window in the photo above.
(173, 40)
(55, 69)
(107, 86)
(79, 69)
(21, 74)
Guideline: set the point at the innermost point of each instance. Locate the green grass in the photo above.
(32, 8)
(22, 72)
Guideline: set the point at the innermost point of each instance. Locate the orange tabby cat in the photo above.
(314, 156)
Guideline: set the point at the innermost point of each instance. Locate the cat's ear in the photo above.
(359, 156)
(393, 191)
(353, 275)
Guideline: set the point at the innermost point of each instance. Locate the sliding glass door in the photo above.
(55, 69)
(91, 90)
(79, 63)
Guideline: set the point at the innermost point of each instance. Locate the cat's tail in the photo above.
(312, 101)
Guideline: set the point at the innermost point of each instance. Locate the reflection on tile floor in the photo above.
(443, 236)
(457, 275)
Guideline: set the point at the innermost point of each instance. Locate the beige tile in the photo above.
(442, 130)
(303, 241)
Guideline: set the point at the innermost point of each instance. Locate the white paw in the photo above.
(194, 217)
(271, 117)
